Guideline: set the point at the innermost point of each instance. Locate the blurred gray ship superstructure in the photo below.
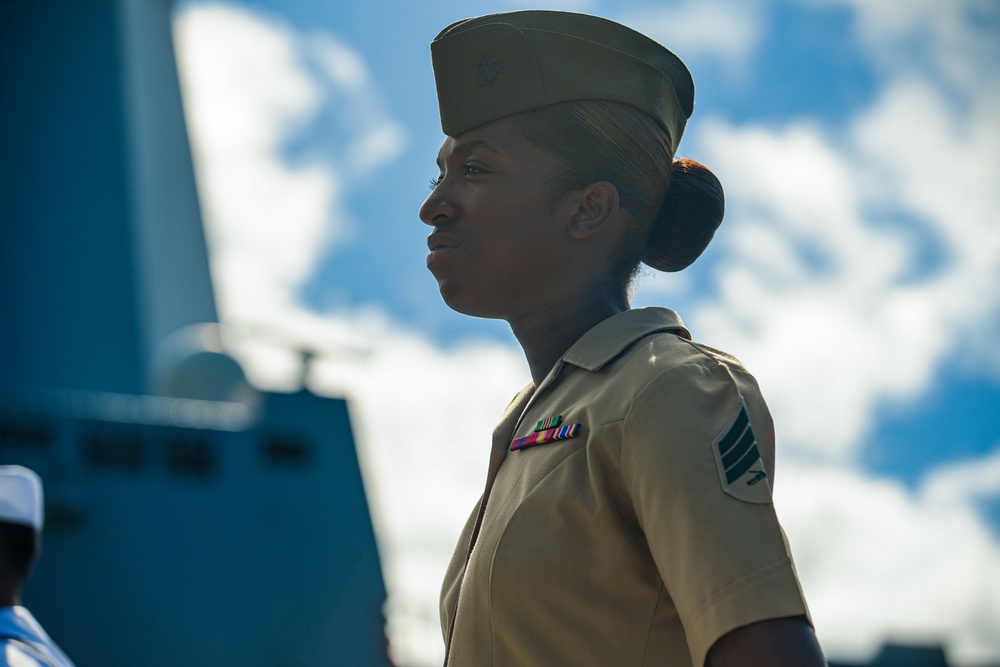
(190, 520)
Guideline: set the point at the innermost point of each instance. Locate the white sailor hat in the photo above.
(20, 496)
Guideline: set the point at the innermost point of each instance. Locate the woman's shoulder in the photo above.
(689, 372)
(667, 352)
(650, 350)
(695, 392)
(647, 340)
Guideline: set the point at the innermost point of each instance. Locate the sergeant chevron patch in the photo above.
(741, 470)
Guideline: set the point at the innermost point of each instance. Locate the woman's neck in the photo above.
(10, 592)
(546, 334)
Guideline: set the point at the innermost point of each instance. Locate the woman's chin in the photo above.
(461, 301)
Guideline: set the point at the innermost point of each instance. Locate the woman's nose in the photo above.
(437, 209)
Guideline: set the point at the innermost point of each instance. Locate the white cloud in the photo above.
(960, 483)
(810, 291)
(245, 94)
(934, 36)
(342, 65)
(241, 78)
(251, 84)
(376, 147)
(728, 30)
(879, 561)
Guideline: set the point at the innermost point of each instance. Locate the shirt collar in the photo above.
(18, 623)
(607, 339)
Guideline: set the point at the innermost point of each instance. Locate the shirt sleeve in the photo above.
(15, 653)
(712, 532)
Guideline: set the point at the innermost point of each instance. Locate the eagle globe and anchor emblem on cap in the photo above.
(489, 68)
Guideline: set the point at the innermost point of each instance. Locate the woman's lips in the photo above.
(437, 255)
(440, 247)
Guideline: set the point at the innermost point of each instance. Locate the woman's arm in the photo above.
(780, 642)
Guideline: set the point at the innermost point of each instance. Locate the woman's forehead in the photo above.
(500, 137)
(453, 147)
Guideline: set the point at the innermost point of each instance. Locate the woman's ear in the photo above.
(592, 209)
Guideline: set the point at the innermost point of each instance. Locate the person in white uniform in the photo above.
(23, 641)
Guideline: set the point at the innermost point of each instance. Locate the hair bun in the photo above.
(688, 218)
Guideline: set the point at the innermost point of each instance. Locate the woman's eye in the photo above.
(468, 169)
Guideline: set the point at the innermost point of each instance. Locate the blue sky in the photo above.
(857, 274)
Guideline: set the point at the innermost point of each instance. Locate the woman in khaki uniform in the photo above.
(627, 516)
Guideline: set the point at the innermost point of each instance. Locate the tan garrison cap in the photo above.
(497, 65)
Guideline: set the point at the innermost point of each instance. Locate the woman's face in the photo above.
(498, 233)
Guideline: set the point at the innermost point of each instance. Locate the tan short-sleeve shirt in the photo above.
(643, 538)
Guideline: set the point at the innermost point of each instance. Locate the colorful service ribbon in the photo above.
(548, 435)
(548, 422)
